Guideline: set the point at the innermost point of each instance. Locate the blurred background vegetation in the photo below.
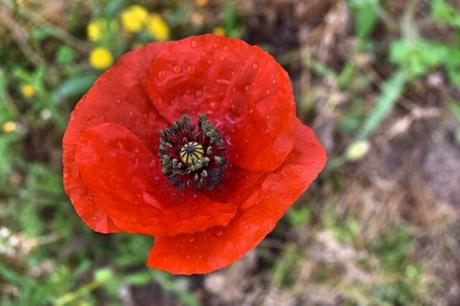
(377, 79)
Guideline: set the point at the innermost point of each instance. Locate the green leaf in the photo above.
(417, 56)
(444, 13)
(391, 91)
(364, 15)
(74, 86)
(65, 55)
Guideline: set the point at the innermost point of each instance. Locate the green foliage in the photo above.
(391, 91)
(445, 13)
(299, 215)
(365, 16)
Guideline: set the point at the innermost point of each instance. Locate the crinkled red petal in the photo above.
(220, 246)
(244, 91)
(117, 96)
(125, 180)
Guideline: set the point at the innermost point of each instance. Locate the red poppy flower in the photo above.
(194, 142)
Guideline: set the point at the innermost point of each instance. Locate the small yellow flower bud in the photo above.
(27, 90)
(9, 127)
(100, 58)
(95, 29)
(357, 150)
(219, 31)
(158, 27)
(133, 18)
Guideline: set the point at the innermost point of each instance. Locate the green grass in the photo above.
(48, 256)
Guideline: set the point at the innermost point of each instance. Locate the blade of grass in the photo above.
(391, 91)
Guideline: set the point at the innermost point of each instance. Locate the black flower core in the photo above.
(193, 155)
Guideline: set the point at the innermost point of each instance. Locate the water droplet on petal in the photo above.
(190, 69)
(161, 75)
(150, 200)
(194, 44)
(219, 233)
(177, 69)
(255, 66)
(213, 105)
(191, 240)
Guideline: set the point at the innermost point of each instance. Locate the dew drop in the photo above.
(214, 45)
(255, 66)
(194, 44)
(213, 105)
(177, 69)
(190, 69)
(66, 175)
(268, 92)
(150, 200)
(161, 75)
(191, 240)
(225, 48)
(219, 233)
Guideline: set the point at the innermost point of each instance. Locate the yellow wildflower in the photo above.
(134, 18)
(100, 58)
(201, 3)
(95, 29)
(9, 127)
(158, 27)
(27, 90)
(219, 31)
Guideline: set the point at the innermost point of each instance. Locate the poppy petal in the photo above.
(117, 96)
(242, 89)
(123, 176)
(218, 247)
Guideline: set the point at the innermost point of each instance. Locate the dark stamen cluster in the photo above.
(193, 155)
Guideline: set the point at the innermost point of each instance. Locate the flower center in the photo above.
(191, 152)
(193, 155)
